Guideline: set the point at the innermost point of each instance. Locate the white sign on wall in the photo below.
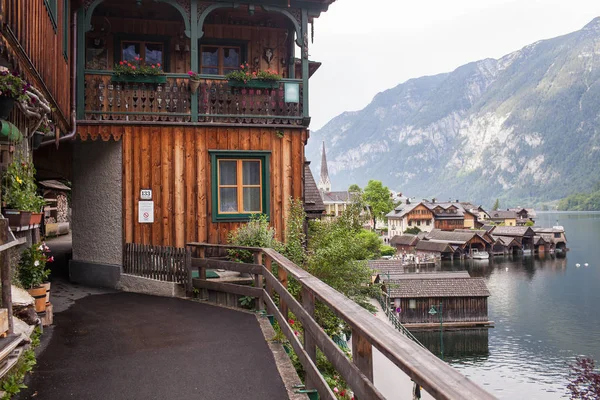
(145, 212)
(146, 194)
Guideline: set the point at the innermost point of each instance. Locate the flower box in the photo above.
(36, 218)
(17, 218)
(140, 78)
(254, 83)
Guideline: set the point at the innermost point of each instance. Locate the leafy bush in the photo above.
(387, 250)
(413, 231)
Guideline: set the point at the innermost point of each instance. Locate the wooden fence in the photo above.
(156, 262)
(436, 377)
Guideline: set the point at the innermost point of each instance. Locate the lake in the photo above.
(546, 312)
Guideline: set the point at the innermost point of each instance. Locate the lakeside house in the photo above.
(524, 235)
(504, 217)
(460, 299)
(555, 238)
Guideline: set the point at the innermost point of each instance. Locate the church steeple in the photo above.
(324, 183)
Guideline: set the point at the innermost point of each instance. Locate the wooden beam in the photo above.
(362, 354)
(241, 290)
(258, 279)
(312, 373)
(228, 265)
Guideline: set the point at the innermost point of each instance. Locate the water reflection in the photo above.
(469, 345)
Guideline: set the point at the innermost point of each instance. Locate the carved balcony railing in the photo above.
(133, 101)
(218, 101)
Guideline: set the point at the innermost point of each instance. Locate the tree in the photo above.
(354, 188)
(496, 206)
(584, 380)
(379, 199)
(529, 223)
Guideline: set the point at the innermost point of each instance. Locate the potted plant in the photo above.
(32, 273)
(244, 77)
(194, 81)
(20, 194)
(12, 88)
(135, 71)
(47, 127)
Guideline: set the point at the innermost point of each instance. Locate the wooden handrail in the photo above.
(435, 376)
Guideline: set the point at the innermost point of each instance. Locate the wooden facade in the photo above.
(36, 38)
(455, 309)
(174, 162)
(449, 224)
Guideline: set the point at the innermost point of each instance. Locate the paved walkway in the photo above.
(131, 346)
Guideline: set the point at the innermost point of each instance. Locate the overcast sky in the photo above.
(369, 46)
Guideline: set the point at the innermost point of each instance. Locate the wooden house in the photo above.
(461, 300)
(506, 218)
(462, 241)
(404, 243)
(505, 245)
(410, 215)
(555, 238)
(179, 161)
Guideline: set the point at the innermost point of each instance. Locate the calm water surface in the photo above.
(546, 312)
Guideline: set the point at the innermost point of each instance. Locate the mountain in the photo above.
(524, 128)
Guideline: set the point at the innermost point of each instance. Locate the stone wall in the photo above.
(97, 212)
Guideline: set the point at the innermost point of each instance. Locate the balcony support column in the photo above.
(194, 55)
(81, 30)
(305, 72)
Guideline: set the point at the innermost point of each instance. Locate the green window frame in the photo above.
(239, 157)
(52, 8)
(66, 12)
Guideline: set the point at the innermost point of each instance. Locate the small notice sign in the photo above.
(146, 212)
(146, 194)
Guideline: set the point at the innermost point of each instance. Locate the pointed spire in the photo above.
(324, 183)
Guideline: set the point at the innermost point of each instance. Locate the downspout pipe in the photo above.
(70, 135)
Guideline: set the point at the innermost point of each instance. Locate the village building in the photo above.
(313, 203)
(407, 216)
(178, 159)
(555, 238)
(524, 215)
(505, 245)
(404, 243)
(464, 242)
(461, 300)
(506, 218)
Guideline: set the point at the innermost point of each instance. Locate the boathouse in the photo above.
(405, 243)
(555, 236)
(461, 300)
(463, 240)
(522, 234)
(505, 245)
(428, 249)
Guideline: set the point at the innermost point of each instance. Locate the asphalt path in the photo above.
(125, 346)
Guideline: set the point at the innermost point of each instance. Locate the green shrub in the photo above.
(387, 250)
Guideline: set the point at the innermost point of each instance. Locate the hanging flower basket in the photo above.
(254, 84)
(6, 106)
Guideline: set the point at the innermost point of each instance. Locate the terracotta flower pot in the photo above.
(194, 85)
(46, 285)
(39, 294)
(36, 218)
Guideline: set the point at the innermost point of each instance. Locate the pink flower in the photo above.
(120, 62)
(296, 333)
(158, 65)
(51, 259)
(335, 389)
(291, 321)
(133, 68)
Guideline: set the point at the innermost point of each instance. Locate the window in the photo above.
(428, 222)
(419, 222)
(240, 184)
(66, 12)
(412, 304)
(556, 235)
(409, 222)
(149, 52)
(220, 60)
(52, 7)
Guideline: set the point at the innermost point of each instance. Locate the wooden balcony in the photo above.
(173, 102)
